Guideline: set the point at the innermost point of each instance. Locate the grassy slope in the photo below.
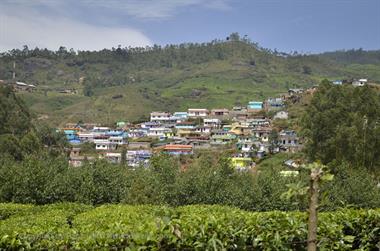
(212, 84)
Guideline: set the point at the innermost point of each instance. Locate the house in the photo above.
(113, 157)
(163, 118)
(103, 143)
(136, 158)
(239, 115)
(116, 133)
(274, 103)
(137, 133)
(100, 130)
(21, 86)
(180, 115)
(240, 129)
(295, 91)
(158, 131)
(121, 124)
(220, 113)
(86, 136)
(137, 145)
(160, 116)
(118, 140)
(202, 129)
(262, 133)
(281, 115)
(199, 142)
(289, 141)
(258, 121)
(215, 123)
(148, 125)
(221, 137)
(241, 163)
(197, 113)
(360, 82)
(185, 125)
(246, 144)
(76, 160)
(238, 108)
(178, 149)
(337, 82)
(255, 106)
(226, 128)
(188, 132)
(72, 135)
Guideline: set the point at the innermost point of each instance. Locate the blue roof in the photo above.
(255, 105)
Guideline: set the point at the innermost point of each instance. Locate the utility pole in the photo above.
(315, 176)
(14, 70)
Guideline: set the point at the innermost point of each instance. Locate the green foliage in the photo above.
(15, 118)
(87, 90)
(342, 124)
(19, 137)
(75, 226)
(207, 179)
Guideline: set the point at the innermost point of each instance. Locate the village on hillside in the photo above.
(246, 131)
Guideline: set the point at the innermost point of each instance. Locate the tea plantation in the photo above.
(70, 226)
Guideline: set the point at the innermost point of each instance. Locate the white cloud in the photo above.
(141, 9)
(25, 26)
(156, 9)
(51, 23)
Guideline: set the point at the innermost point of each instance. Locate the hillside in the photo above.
(128, 83)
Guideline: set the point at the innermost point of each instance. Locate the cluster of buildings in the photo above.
(243, 130)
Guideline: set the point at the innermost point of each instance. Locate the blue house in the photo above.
(72, 136)
(275, 102)
(255, 105)
(180, 115)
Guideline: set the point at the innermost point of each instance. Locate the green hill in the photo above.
(128, 83)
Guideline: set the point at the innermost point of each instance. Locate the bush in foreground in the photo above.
(76, 226)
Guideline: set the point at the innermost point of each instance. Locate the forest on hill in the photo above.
(128, 83)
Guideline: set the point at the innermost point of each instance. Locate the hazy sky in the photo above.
(287, 25)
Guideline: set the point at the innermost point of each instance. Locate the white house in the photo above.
(86, 136)
(160, 116)
(360, 82)
(104, 144)
(212, 123)
(281, 115)
(158, 132)
(197, 113)
(118, 140)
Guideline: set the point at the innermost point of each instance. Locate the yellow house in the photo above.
(169, 134)
(241, 162)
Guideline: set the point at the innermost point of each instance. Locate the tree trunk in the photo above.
(313, 207)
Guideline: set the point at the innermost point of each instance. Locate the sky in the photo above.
(308, 26)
